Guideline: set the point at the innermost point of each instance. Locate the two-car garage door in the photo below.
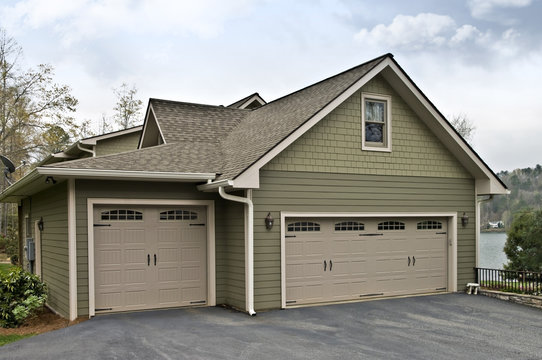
(149, 257)
(330, 259)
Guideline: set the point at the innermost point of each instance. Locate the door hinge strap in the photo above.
(103, 309)
(198, 302)
(290, 301)
(375, 294)
(442, 288)
(442, 233)
(371, 234)
(102, 224)
(197, 224)
(289, 236)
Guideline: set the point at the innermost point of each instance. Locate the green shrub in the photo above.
(21, 295)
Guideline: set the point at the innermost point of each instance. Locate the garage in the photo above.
(329, 259)
(148, 257)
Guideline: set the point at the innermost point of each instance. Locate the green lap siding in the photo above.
(118, 144)
(325, 170)
(229, 229)
(52, 206)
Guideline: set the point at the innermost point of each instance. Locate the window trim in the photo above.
(370, 146)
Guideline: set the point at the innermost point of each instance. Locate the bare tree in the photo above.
(464, 127)
(128, 108)
(31, 105)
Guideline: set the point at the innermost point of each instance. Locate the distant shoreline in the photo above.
(492, 230)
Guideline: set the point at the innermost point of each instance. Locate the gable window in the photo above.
(376, 118)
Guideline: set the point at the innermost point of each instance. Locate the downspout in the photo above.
(86, 150)
(249, 286)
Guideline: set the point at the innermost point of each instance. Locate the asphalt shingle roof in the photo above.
(224, 140)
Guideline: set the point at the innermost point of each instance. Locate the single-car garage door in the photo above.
(149, 257)
(330, 259)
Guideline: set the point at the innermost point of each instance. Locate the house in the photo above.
(352, 188)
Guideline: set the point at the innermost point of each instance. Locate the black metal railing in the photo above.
(522, 282)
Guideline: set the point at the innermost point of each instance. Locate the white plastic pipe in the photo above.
(249, 252)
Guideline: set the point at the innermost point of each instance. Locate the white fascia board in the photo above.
(26, 180)
(493, 186)
(251, 99)
(123, 174)
(145, 122)
(247, 178)
(94, 139)
(215, 185)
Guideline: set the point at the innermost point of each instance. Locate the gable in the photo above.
(334, 144)
(118, 144)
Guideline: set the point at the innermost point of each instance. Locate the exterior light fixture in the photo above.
(40, 224)
(50, 179)
(269, 221)
(464, 219)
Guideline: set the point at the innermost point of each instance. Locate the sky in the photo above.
(478, 58)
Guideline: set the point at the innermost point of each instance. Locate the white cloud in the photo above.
(413, 31)
(481, 8)
(76, 20)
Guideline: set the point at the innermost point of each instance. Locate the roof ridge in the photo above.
(243, 99)
(196, 104)
(380, 58)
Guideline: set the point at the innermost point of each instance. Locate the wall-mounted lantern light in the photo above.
(40, 224)
(50, 179)
(464, 219)
(268, 221)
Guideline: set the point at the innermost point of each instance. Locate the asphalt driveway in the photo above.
(450, 326)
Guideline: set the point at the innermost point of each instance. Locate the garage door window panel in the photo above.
(121, 215)
(178, 214)
(349, 226)
(429, 225)
(391, 225)
(303, 226)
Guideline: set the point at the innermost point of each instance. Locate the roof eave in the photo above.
(126, 174)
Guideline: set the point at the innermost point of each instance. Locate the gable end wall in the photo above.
(325, 170)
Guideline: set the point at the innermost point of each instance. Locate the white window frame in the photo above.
(371, 146)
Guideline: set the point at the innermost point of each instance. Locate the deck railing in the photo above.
(522, 282)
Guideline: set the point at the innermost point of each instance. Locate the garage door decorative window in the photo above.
(304, 226)
(391, 225)
(178, 215)
(122, 215)
(349, 226)
(429, 225)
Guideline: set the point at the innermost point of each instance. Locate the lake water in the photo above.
(491, 254)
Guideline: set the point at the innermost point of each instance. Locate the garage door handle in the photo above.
(325, 265)
(330, 265)
(154, 259)
(148, 259)
(409, 261)
(413, 261)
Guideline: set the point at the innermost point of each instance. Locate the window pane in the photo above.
(374, 133)
(374, 111)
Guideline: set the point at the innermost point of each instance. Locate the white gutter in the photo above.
(86, 150)
(215, 185)
(126, 174)
(249, 250)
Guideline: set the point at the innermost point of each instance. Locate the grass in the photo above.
(4, 268)
(6, 339)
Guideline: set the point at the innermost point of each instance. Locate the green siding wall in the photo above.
(320, 192)
(52, 205)
(118, 144)
(228, 222)
(326, 170)
(334, 144)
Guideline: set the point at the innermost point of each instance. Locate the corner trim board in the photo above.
(72, 249)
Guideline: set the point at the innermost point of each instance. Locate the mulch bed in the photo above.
(45, 321)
